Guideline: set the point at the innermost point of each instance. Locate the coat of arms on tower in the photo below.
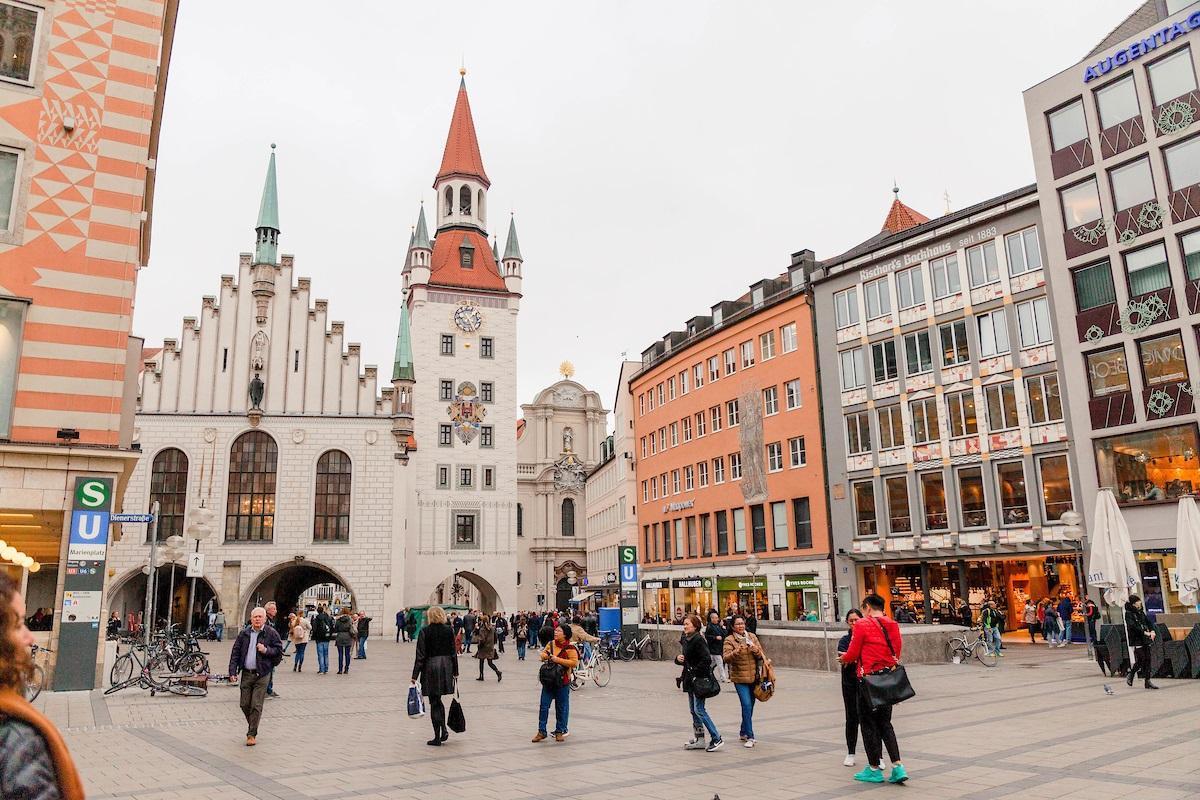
(466, 413)
(569, 473)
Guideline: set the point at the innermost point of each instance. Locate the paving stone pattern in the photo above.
(1040, 725)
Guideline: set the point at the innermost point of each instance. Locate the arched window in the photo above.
(449, 200)
(168, 485)
(250, 506)
(520, 520)
(568, 517)
(331, 519)
(479, 206)
(464, 201)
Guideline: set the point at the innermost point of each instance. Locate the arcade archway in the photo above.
(467, 589)
(128, 596)
(287, 583)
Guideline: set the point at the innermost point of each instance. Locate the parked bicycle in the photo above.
(972, 644)
(37, 679)
(644, 647)
(136, 668)
(595, 667)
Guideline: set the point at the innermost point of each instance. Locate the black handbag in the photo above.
(706, 685)
(455, 719)
(887, 687)
(552, 675)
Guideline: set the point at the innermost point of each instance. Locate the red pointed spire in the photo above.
(461, 158)
(900, 217)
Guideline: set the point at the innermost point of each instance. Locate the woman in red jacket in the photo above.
(870, 652)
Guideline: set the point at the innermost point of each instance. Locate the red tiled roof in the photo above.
(520, 427)
(461, 157)
(447, 269)
(900, 217)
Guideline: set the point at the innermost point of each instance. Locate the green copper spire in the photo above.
(403, 368)
(511, 248)
(495, 250)
(266, 244)
(422, 235)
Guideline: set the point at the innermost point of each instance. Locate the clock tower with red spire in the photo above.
(462, 301)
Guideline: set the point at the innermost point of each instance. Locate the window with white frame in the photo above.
(1068, 125)
(714, 415)
(702, 470)
(1172, 76)
(891, 427)
(1117, 102)
(787, 337)
(10, 164)
(654, 488)
(791, 394)
(883, 360)
(953, 336)
(910, 287)
(774, 456)
(993, 333)
(1080, 204)
(1033, 322)
(644, 447)
(645, 491)
(1132, 184)
(766, 345)
(879, 298)
(918, 357)
(730, 361)
(982, 267)
(19, 31)
(863, 493)
(642, 404)
(1045, 403)
(797, 454)
(686, 423)
(662, 439)
(854, 371)
(653, 444)
(718, 469)
(732, 414)
(674, 434)
(697, 375)
(960, 408)
(1002, 406)
(845, 305)
(858, 433)
(1183, 163)
(735, 466)
(12, 326)
(675, 481)
(945, 278)
(699, 424)
(747, 354)
(671, 388)
(924, 420)
(689, 478)
(771, 400)
(714, 368)
(683, 382)
(661, 398)
(1147, 270)
(1023, 252)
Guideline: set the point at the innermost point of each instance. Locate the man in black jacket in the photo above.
(1141, 634)
(364, 631)
(256, 651)
(322, 632)
(468, 627)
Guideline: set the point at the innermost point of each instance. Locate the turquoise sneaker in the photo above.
(869, 774)
(898, 774)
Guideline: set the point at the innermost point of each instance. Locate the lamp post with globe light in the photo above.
(198, 530)
(752, 566)
(174, 549)
(1074, 533)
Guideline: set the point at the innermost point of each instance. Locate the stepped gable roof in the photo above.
(447, 268)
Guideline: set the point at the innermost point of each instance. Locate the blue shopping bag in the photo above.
(416, 705)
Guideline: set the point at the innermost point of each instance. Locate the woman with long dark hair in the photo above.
(436, 667)
(34, 761)
(697, 663)
(850, 689)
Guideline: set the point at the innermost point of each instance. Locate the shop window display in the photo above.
(1150, 466)
(1014, 502)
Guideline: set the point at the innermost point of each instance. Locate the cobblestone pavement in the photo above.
(1040, 724)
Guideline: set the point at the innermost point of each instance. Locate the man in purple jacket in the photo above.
(256, 652)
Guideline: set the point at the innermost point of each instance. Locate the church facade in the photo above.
(559, 441)
(462, 299)
(262, 412)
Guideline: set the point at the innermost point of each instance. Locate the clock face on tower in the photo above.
(468, 318)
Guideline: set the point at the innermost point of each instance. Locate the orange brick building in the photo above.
(730, 481)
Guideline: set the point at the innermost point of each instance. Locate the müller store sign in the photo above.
(1141, 48)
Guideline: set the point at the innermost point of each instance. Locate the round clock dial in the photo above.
(468, 318)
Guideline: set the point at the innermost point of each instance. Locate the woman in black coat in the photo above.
(696, 662)
(1141, 634)
(850, 689)
(436, 666)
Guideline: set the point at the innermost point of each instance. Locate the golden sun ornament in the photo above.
(566, 369)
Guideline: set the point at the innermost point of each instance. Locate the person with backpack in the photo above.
(700, 683)
(559, 658)
(522, 635)
(322, 632)
(256, 652)
(992, 621)
(875, 645)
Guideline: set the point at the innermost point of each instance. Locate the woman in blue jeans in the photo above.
(562, 652)
(696, 663)
(742, 654)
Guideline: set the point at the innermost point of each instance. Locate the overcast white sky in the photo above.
(659, 157)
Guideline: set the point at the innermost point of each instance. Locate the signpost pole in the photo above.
(148, 614)
(191, 598)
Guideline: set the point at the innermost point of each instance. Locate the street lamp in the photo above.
(174, 550)
(1073, 532)
(752, 566)
(199, 529)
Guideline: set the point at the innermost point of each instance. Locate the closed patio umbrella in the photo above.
(1112, 566)
(1187, 549)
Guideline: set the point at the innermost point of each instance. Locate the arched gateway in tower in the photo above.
(457, 356)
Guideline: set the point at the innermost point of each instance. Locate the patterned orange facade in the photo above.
(82, 120)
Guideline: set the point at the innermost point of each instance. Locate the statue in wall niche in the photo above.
(258, 350)
(257, 387)
(568, 439)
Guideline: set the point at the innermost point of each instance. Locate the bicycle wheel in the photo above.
(626, 652)
(34, 687)
(195, 663)
(186, 689)
(985, 655)
(652, 650)
(122, 670)
(602, 673)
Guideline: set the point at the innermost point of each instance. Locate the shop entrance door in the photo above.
(1152, 587)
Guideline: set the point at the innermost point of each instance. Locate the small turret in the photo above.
(266, 243)
(511, 266)
(420, 254)
(403, 379)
